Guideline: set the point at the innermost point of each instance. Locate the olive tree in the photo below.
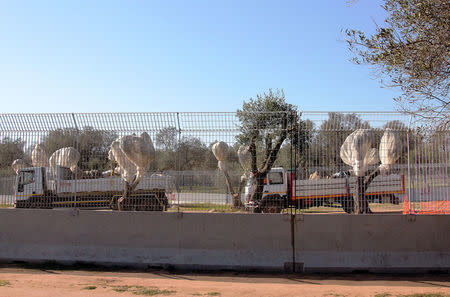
(410, 52)
(266, 122)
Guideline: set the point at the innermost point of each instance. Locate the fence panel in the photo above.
(428, 182)
(304, 151)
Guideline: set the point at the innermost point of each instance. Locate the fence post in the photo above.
(77, 148)
(409, 164)
(178, 161)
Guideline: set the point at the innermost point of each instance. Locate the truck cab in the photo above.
(29, 183)
(276, 190)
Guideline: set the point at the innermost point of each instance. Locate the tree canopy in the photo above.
(266, 122)
(92, 144)
(10, 150)
(411, 52)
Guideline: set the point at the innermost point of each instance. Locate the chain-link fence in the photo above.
(224, 161)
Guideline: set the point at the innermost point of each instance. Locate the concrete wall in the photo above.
(205, 241)
(382, 242)
(226, 241)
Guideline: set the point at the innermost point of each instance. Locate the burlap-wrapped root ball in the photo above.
(357, 151)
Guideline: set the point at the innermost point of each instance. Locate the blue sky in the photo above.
(93, 56)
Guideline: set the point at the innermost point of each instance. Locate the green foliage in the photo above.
(383, 295)
(424, 295)
(411, 52)
(10, 150)
(265, 116)
(194, 154)
(266, 122)
(326, 147)
(4, 283)
(90, 288)
(92, 144)
(167, 139)
(152, 291)
(140, 290)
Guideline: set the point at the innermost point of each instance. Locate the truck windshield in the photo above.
(275, 178)
(25, 177)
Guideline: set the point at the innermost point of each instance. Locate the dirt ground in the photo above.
(17, 281)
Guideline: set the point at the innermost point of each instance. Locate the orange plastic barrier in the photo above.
(426, 207)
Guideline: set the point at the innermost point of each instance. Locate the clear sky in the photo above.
(94, 56)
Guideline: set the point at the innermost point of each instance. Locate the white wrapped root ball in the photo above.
(220, 151)
(244, 157)
(390, 150)
(18, 164)
(140, 151)
(39, 158)
(357, 152)
(127, 169)
(133, 154)
(65, 157)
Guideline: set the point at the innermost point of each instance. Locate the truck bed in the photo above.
(338, 187)
(109, 184)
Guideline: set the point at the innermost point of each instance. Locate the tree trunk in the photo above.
(126, 192)
(258, 187)
(361, 203)
(236, 196)
(362, 184)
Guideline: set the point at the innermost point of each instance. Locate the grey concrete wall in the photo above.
(226, 241)
(381, 242)
(206, 241)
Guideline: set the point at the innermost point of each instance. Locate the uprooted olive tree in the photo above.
(133, 154)
(220, 150)
(357, 151)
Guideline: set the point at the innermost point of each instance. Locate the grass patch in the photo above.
(145, 291)
(213, 294)
(90, 288)
(383, 295)
(6, 205)
(4, 283)
(203, 207)
(121, 289)
(202, 189)
(152, 291)
(220, 208)
(424, 295)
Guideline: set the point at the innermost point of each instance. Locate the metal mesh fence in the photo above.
(303, 152)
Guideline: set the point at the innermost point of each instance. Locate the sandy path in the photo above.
(21, 282)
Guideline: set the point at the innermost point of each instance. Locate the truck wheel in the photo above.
(272, 209)
(348, 205)
(394, 199)
(272, 204)
(256, 209)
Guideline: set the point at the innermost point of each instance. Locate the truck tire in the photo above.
(256, 209)
(348, 205)
(272, 204)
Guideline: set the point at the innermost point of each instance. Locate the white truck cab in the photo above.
(275, 184)
(29, 182)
